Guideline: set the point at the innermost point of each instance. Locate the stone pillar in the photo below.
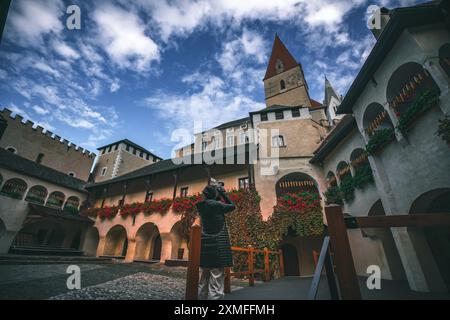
(131, 250)
(101, 246)
(166, 246)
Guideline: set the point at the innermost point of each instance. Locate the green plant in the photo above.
(424, 101)
(12, 194)
(347, 188)
(379, 139)
(444, 129)
(333, 196)
(34, 199)
(71, 209)
(363, 176)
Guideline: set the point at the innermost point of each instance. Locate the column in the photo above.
(166, 246)
(131, 250)
(101, 246)
(6, 241)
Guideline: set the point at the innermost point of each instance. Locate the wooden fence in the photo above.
(192, 277)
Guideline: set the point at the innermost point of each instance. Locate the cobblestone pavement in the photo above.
(139, 286)
(98, 281)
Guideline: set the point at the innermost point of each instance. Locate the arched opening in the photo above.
(55, 199)
(72, 205)
(363, 172)
(116, 242)
(343, 170)
(76, 240)
(2, 229)
(376, 118)
(444, 58)
(37, 194)
(44, 233)
(406, 84)
(14, 188)
(91, 242)
(148, 247)
(179, 242)
(11, 149)
(331, 179)
(295, 182)
(387, 241)
(290, 258)
(438, 238)
(282, 85)
(346, 187)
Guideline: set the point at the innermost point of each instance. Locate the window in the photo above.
(184, 192)
(204, 145)
(243, 183)
(263, 116)
(121, 202)
(147, 157)
(243, 138)
(141, 154)
(148, 196)
(116, 147)
(278, 141)
(11, 149)
(103, 171)
(72, 174)
(39, 158)
(230, 141)
(295, 113)
(134, 151)
(110, 148)
(216, 142)
(103, 151)
(127, 147)
(279, 115)
(282, 85)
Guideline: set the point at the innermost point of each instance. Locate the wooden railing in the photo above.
(336, 253)
(192, 277)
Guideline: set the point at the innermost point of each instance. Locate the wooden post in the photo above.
(251, 276)
(192, 276)
(227, 287)
(345, 267)
(266, 265)
(281, 262)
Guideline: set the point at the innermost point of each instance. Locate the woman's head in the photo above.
(210, 192)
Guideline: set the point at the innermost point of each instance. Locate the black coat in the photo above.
(215, 248)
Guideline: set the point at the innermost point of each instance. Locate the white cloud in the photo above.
(122, 36)
(40, 110)
(65, 50)
(32, 19)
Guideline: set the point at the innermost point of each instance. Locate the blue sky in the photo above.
(142, 70)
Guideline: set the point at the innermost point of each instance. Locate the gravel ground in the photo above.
(139, 286)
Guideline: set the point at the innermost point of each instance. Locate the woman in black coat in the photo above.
(215, 252)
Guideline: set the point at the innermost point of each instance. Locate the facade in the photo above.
(31, 142)
(411, 168)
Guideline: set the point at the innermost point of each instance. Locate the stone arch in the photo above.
(295, 182)
(56, 199)
(406, 83)
(444, 58)
(14, 188)
(437, 238)
(179, 241)
(72, 204)
(343, 170)
(331, 179)
(375, 118)
(37, 194)
(148, 242)
(46, 232)
(116, 242)
(91, 241)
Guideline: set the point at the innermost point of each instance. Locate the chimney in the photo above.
(378, 21)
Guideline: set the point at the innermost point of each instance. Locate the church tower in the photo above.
(284, 82)
(331, 101)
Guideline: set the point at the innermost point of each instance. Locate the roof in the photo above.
(233, 123)
(279, 52)
(342, 129)
(167, 165)
(58, 213)
(131, 143)
(315, 104)
(19, 164)
(330, 92)
(400, 19)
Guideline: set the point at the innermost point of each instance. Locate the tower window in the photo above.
(103, 151)
(127, 147)
(147, 157)
(110, 148)
(279, 115)
(103, 171)
(295, 113)
(39, 158)
(141, 154)
(184, 192)
(282, 85)
(263, 116)
(116, 147)
(278, 141)
(72, 174)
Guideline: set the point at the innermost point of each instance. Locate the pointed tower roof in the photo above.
(279, 52)
(330, 92)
